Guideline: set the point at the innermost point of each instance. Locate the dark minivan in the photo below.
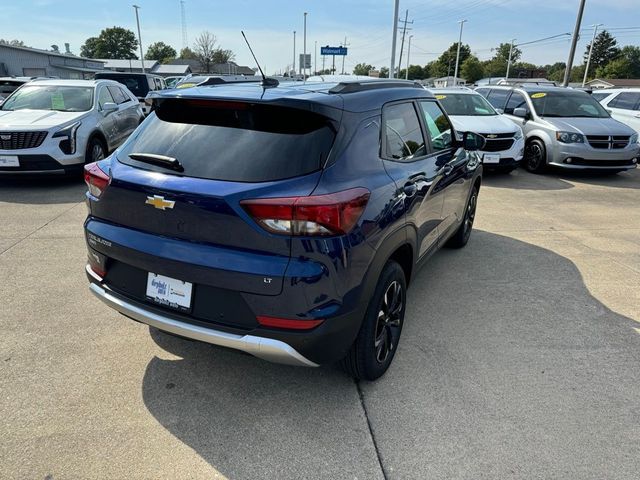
(282, 221)
(140, 84)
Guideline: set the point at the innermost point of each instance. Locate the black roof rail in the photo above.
(351, 87)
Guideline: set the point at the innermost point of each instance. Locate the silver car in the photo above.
(566, 128)
(56, 126)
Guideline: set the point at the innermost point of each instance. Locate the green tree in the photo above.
(502, 53)
(362, 69)
(472, 69)
(416, 72)
(605, 49)
(114, 42)
(160, 51)
(627, 65)
(445, 64)
(384, 72)
(221, 55)
(187, 54)
(90, 48)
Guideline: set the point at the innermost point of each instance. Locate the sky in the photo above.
(367, 25)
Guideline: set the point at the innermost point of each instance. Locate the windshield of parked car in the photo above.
(465, 104)
(567, 104)
(50, 97)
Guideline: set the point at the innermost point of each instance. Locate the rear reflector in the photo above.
(288, 323)
(331, 214)
(96, 179)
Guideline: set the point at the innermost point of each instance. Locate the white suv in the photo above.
(470, 112)
(56, 126)
(623, 104)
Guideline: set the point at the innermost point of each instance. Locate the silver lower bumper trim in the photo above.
(264, 348)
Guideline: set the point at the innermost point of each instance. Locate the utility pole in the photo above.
(136, 7)
(509, 62)
(586, 70)
(343, 56)
(315, 58)
(406, 77)
(393, 39)
(574, 43)
(455, 72)
(304, 53)
(404, 32)
(294, 52)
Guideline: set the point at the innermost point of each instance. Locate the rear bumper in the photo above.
(265, 348)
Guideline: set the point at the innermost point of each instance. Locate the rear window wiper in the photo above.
(159, 160)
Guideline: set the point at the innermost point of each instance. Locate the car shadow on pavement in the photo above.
(42, 190)
(520, 179)
(508, 367)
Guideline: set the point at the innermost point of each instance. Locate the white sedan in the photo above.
(56, 126)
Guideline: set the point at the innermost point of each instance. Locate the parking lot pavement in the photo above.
(519, 359)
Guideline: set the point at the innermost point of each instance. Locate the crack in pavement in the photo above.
(373, 437)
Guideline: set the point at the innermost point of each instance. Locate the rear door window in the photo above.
(626, 101)
(403, 135)
(117, 94)
(232, 141)
(498, 98)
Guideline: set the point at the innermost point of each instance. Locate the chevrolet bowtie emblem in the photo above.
(493, 135)
(159, 202)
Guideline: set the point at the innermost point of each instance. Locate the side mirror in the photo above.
(109, 107)
(522, 113)
(472, 141)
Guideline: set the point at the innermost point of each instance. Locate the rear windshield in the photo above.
(567, 104)
(137, 84)
(232, 141)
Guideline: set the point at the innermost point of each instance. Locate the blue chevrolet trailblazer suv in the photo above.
(285, 221)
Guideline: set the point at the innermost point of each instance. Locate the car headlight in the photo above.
(634, 138)
(569, 137)
(518, 135)
(68, 145)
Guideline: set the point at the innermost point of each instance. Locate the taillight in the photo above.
(288, 323)
(96, 179)
(331, 214)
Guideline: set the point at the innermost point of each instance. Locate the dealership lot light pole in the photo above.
(406, 74)
(455, 72)
(393, 40)
(136, 8)
(304, 48)
(509, 62)
(586, 69)
(574, 43)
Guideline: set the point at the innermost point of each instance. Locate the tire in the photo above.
(461, 237)
(377, 342)
(95, 150)
(535, 156)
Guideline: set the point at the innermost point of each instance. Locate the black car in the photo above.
(285, 221)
